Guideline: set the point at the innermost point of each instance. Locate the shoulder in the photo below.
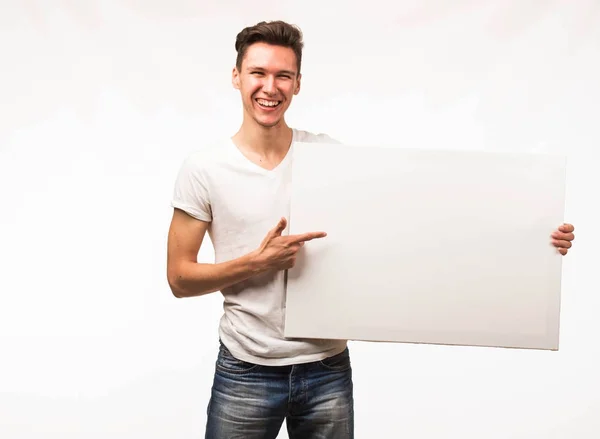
(310, 137)
(203, 159)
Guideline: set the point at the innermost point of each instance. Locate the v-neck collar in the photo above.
(259, 168)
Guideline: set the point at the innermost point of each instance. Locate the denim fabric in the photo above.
(250, 401)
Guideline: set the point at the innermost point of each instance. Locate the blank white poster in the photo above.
(425, 246)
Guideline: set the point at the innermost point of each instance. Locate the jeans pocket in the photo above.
(337, 363)
(227, 363)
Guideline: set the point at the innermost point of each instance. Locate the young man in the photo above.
(239, 192)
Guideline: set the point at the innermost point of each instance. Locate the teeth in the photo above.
(268, 103)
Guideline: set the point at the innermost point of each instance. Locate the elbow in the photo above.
(174, 281)
(175, 290)
(182, 288)
(183, 285)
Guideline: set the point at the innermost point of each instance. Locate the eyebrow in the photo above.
(289, 72)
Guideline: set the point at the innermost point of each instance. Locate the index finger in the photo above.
(303, 237)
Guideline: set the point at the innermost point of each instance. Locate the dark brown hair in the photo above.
(278, 33)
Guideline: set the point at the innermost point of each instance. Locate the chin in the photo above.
(267, 123)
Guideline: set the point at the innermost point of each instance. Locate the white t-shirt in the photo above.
(242, 202)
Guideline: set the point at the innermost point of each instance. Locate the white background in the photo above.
(100, 101)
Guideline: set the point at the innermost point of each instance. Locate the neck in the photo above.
(262, 140)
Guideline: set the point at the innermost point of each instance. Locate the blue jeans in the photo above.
(250, 401)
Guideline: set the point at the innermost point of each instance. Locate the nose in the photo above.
(269, 85)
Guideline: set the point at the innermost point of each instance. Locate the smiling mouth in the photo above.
(267, 103)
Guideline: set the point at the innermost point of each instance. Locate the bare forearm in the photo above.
(191, 279)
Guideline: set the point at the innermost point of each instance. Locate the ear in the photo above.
(235, 78)
(297, 89)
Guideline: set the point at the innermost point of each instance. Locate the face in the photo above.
(268, 80)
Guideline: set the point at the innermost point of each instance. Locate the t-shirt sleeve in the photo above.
(191, 192)
(326, 138)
